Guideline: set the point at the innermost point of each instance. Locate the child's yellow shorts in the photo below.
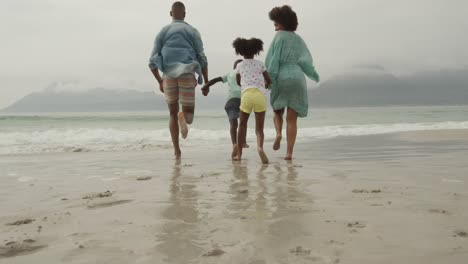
(253, 100)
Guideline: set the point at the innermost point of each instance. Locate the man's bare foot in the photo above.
(263, 156)
(182, 125)
(177, 154)
(288, 156)
(245, 145)
(277, 143)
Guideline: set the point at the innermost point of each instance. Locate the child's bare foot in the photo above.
(182, 125)
(277, 143)
(234, 151)
(288, 156)
(263, 156)
(177, 154)
(245, 145)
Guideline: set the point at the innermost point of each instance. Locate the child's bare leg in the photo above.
(242, 133)
(291, 132)
(278, 120)
(233, 130)
(259, 123)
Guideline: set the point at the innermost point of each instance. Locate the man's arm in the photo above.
(152, 65)
(157, 46)
(201, 57)
(205, 73)
(156, 74)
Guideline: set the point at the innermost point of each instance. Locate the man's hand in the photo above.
(205, 89)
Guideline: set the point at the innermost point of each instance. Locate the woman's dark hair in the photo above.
(248, 47)
(284, 16)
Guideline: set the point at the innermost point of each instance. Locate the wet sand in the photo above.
(396, 198)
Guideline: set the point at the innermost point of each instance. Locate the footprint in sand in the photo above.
(21, 222)
(367, 191)
(356, 224)
(460, 233)
(299, 251)
(107, 204)
(438, 211)
(98, 195)
(144, 178)
(214, 253)
(18, 248)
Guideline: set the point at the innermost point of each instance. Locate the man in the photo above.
(178, 53)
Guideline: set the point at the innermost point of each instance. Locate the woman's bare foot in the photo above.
(177, 154)
(277, 143)
(288, 156)
(237, 157)
(246, 146)
(182, 125)
(263, 156)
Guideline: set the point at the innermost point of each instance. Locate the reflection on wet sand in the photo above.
(287, 228)
(271, 223)
(179, 234)
(239, 190)
(259, 218)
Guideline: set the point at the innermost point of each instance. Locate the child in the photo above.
(232, 104)
(253, 78)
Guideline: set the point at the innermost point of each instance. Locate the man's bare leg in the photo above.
(291, 132)
(242, 133)
(174, 128)
(185, 117)
(278, 121)
(259, 123)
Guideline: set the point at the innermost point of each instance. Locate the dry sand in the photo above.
(373, 199)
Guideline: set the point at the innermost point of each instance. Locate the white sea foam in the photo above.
(99, 139)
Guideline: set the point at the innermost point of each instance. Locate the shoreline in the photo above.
(409, 136)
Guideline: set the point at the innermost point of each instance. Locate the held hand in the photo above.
(205, 90)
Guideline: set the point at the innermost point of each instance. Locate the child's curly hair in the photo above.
(284, 16)
(248, 47)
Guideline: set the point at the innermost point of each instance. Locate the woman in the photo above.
(287, 61)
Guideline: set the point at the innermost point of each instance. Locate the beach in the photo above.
(388, 198)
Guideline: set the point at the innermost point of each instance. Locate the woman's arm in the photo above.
(306, 62)
(238, 79)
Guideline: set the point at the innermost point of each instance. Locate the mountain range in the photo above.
(364, 86)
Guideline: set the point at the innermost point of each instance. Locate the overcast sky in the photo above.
(82, 44)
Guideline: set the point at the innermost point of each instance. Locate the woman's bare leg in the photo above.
(278, 121)
(291, 132)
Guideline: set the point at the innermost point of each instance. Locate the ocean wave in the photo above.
(101, 139)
